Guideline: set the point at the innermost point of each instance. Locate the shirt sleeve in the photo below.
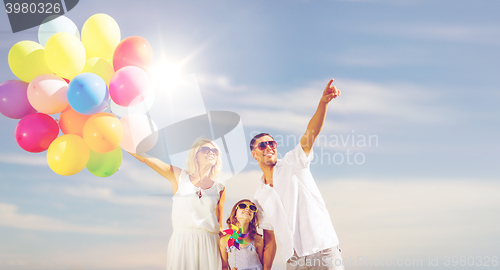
(219, 186)
(298, 157)
(264, 220)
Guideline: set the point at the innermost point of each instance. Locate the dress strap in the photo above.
(250, 247)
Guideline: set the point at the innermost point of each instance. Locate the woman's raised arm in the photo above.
(166, 170)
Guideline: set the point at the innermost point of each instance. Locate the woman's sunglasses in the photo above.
(206, 150)
(244, 206)
(263, 145)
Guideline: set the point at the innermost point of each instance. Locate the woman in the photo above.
(248, 256)
(197, 207)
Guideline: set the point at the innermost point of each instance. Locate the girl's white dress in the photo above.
(194, 241)
(246, 257)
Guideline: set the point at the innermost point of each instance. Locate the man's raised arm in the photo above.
(316, 122)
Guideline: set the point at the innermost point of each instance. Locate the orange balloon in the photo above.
(103, 132)
(72, 122)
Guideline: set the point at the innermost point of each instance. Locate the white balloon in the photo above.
(140, 133)
(47, 94)
(57, 25)
(141, 108)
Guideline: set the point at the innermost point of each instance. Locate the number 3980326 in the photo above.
(46, 8)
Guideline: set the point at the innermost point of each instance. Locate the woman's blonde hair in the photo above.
(252, 226)
(192, 165)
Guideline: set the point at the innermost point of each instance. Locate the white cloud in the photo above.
(149, 253)
(395, 2)
(410, 217)
(134, 184)
(483, 34)
(10, 216)
(132, 176)
(393, 102)
(370, 107)
(282, 120)
(142, 177)
(411, 53)
(383, 56)
(24, 159)
(109, 195)
(219, 83)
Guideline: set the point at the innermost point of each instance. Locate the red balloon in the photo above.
(36, 131)
(133, 51)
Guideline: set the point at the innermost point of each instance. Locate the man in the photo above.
(290, 205)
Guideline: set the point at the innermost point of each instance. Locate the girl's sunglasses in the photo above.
(206, 150)
(263, 145)
(244, 206)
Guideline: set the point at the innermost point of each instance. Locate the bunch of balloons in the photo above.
(77, 78)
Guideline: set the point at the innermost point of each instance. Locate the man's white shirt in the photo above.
(294, 208)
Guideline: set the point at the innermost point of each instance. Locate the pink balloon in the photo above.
(47, 93)
(129, 86)
(36, 131)
(133, 51)
(14, 99)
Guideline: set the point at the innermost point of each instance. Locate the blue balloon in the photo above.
(88, 93)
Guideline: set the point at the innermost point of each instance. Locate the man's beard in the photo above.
(270, 163)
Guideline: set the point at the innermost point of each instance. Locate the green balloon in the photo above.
(105, 164)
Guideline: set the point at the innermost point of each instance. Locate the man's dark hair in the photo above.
(256, 137)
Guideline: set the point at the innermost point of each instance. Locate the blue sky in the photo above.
(419, 76)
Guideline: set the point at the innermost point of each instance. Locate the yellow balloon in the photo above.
(65, 55)
(110, 61)
(68, 154)
(27, 60)
(103, 132)
(99, 67)
(100, 36)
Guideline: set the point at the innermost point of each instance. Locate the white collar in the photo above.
(279, 163)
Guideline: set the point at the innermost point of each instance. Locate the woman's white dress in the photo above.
(194, 241)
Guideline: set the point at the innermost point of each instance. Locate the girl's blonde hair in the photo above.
(192, 164)
(252, 226)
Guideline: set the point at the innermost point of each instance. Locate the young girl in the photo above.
(249, 256)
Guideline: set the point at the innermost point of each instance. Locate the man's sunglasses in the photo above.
(244, 206)
(263, 145)
(206, 150)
